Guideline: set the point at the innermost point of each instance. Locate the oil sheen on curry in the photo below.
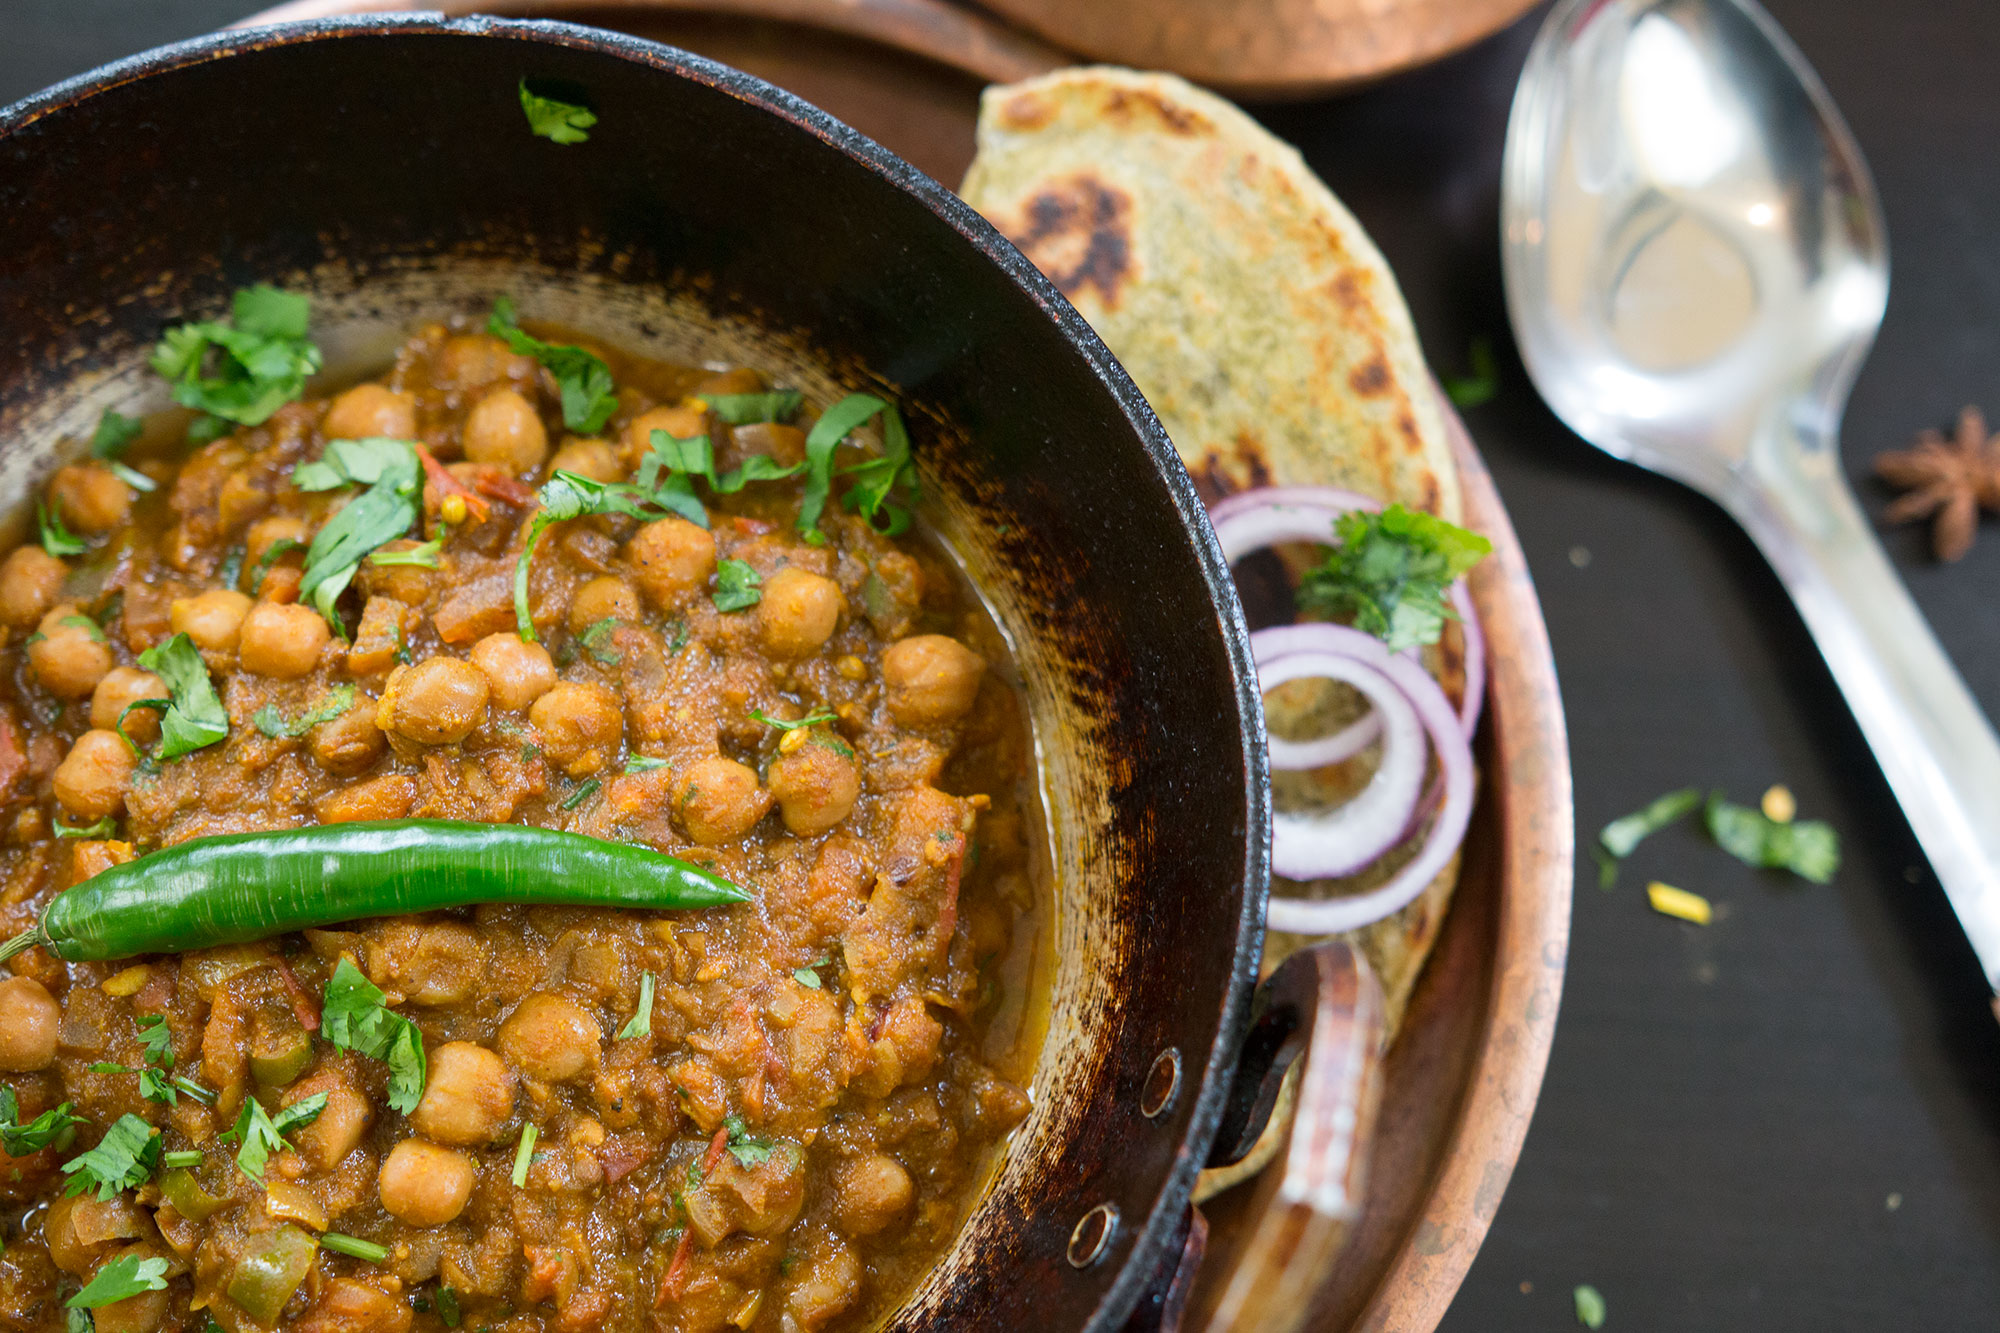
(528, 582)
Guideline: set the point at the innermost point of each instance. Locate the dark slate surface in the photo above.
(1791, 1119)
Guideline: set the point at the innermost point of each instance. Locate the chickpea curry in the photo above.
(542, 584)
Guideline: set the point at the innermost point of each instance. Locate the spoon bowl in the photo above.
(1696, 267)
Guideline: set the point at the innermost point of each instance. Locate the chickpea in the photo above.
(213, 619)
(267, 532)
(338, 1130)
(282, 640)
(120, 688)
(517, 672)
(671, 559)
(580, 726)
(550, 1037)
(439, 701)
(89, 498)
(719, 800)
(60, 1232)
(30, 581)
(432, 965)
(588, 458)
(798, 612)
(93, 778)
(869, 1193)
(346, 745)
(389, 796)
(683, 423)
(816, 786)
(371, 409)
(931, 679)
(469, 1096)
(30, 1020)
(604, 598)
(71, 656)
(424, 1185)
(472, 359)
(504, 429)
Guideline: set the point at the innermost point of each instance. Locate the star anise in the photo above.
(1951, 478)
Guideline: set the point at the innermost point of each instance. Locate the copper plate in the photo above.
(1461, 1082)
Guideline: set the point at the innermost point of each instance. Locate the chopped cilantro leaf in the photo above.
(114, 434)
(382, 513)
(424, 556)
(877, 478)
(57, 539)
(1590, 1309)
(681, 461)
(567, 495)
(1391, 574)
(818, 717)
(584, 792)
(354, 1247)
(50, 1128)
(749, 1152)
(103, 828)
(558, 122)
(447, 1306)
(834, 425)
(806, 977)
(741, 409)
(588, 395)
(641, 1024)
(258, 365)
(644, 763)
(355, 1019)
(524, 1154)
(123, 1159)
(737, 586)
(195, 717)
(124, 1277)
(273, 724)
(1808, 848)
(593, 636)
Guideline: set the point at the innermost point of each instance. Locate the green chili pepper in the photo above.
(251, 886)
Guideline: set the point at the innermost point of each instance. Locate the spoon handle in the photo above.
(1934, 743)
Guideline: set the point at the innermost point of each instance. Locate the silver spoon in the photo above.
(1695, 268)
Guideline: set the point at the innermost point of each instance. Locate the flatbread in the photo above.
(1250, 308)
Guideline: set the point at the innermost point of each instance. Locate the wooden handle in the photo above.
(1315, 1145)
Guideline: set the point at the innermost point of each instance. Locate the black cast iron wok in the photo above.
(384, 164)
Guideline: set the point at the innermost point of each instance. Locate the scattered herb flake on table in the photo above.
(1808, 848)
(1617, 839)
(1590, 1308)
(1484, 381)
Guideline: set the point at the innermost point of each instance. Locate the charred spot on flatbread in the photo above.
(1079, 232)
(1370, 378)
(1130, 105)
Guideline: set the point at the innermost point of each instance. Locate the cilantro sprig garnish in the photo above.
(126, 1276)
(819, 717)
(125, 1158)
(354, 1018)
(588, 395)
(156, 1084)
(52, 1128)
(245, 370)
(258, 1133)
(385, 511)
(195, 717)
(1391, 574)
(568, 495)
(55, 535)
(641, 1022)
(558, 122)
(875, 478)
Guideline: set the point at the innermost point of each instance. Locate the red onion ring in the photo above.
(1343, 840)
(1253, 520)
(1271, 647)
